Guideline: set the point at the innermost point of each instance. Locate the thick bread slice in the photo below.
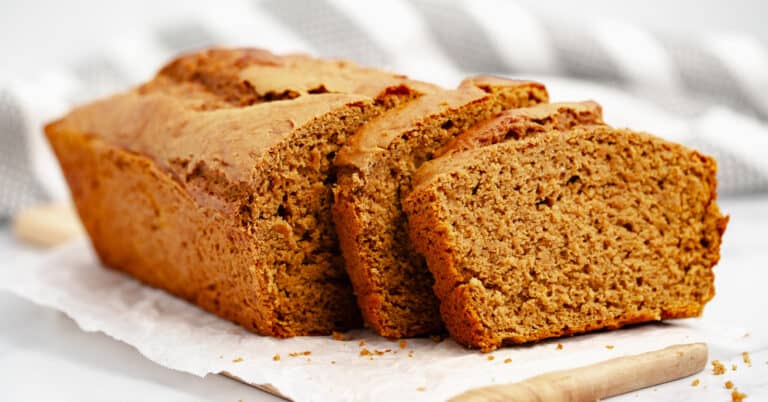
(566, 232)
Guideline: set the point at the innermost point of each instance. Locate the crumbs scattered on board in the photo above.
(559, 346)
(717, 367)
(276, 357)
(609, 347)
(403, 344)
(365, 352)
(421, 389)
(733, 367)
(491, 357)
(297, 354)
(507, 360)
(695, 383)
(728, 384)
(238, 360)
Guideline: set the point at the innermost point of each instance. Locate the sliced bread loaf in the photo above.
(392, 284)
(566, 232)
(213, 182)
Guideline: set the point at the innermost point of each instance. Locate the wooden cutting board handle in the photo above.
(600, 380)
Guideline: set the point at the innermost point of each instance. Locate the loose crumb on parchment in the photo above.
(421, 389)
(717, 367)
(737, 396)
(728, 384)
(365, 352)
(491, 357)
(609, 347)
(733, 367)
(276, 357)
(297, 354)
(238, 360)
(361, 343)
(403, 344)
(695, 383)
(746, 358)
(507, 360)
(559, 346)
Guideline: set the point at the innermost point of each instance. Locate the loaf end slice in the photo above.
(567, 232)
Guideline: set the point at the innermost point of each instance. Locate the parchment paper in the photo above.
(180, 336)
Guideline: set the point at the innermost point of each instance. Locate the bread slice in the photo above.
(392, 283)
(566, 232)
(213, 182)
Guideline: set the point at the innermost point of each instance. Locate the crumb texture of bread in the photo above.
(391, 281)
(213, 181)
(567, 232)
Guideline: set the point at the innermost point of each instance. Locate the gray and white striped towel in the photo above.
(708, 93)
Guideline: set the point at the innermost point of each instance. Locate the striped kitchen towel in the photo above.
(706, 92)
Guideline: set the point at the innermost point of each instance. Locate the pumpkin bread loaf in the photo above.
(213, 181)
(391, 282)
(565, 232)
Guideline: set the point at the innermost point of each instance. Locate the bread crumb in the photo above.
(559, 346)
(490, 357)
(333, 361)
(276, 357)
(297, 354)
(421, 389)
(728, 384)
(221, 356)
(365, 352)
(733, 367)
(410, 354)
(436, 338)
(717, 367)
(746, 358)
(737, 396)
(507, 360)
(403, 344)
(361, 344)
(609, 346)
(695, 383)
(338, 336)
(238, 360)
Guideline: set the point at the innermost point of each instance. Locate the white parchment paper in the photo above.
(180, 336)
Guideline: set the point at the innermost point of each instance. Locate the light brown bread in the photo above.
(213, 181)
(566, 232)
(392, 284)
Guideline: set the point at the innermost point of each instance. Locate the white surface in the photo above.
(43, 355)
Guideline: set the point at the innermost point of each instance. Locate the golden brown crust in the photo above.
(515, 124)
(377, 136)
(213, 181)
(392, 285)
